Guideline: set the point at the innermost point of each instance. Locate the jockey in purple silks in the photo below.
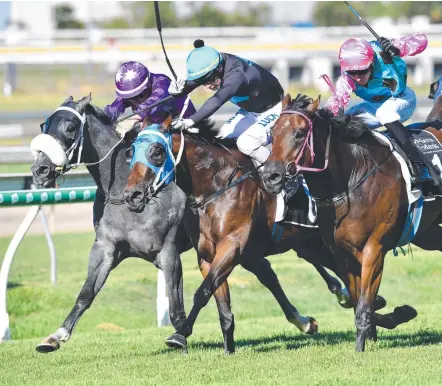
(380, 80)
(138, 88)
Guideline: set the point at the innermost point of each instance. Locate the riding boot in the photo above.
(417, 159)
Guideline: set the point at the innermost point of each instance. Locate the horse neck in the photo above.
(343, 165)
(203, 169)
(111, 174)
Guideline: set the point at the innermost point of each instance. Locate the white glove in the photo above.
(176, 86)
(127, 125)
(183, 124)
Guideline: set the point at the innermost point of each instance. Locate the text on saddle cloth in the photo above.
(430, 146)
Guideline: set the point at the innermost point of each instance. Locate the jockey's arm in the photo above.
(230, 86)
(159, 91)
(340, 98)
(115, 109)
(411, 45)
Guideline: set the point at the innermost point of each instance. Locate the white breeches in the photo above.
(398, 108)
(252, 131)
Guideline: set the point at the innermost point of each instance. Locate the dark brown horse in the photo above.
(361, 197)
(235, 227)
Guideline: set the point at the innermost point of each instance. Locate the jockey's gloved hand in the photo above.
(177, 86)
(388, 46)
(182, 124)
(128, 124)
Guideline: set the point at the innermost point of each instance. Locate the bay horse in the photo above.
(79, 130)
(361, 196)
(233, 227)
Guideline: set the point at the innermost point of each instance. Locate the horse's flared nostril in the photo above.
(134, 196)
(43, 171)
(274, 178)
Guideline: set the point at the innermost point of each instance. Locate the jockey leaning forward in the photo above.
(256, 92)
(138, 88)
(380, 79)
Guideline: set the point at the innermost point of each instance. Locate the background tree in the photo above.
(65, 18)
(337, 13)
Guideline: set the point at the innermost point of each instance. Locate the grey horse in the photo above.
(153, 234)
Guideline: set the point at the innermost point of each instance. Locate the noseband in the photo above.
(308, 143)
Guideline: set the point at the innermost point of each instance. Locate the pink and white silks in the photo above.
(409, 46)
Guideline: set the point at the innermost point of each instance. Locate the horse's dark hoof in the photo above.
(313, 327)
(177, 341)
(379, 303)
(372, 334)
(404, 314)
(48, 345)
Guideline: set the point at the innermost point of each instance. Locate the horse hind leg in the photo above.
(400, 315)
(101, 262)
(267, 276)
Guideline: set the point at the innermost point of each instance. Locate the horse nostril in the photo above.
(134, 196)
(43, 171)
(275, 178)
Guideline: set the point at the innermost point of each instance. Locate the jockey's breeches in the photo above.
(252, 131)
(375, 114)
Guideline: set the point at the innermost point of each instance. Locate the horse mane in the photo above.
(99, 114)
(345, 127)
(208, 132)
(299, 103)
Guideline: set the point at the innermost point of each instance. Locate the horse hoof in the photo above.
(48, 345)
(404, 313)
(379, 303)
(344, 298)
(313, 329)
(177, 341)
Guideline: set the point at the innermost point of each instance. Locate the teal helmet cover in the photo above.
(202, 61)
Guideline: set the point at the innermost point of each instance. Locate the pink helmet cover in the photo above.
(355, 54)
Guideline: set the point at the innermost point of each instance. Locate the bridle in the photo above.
(308, 144)
(78, 143)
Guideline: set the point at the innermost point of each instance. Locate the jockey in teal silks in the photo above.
(380, 79)
(256, 92)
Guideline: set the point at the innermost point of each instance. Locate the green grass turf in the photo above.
(117, 342)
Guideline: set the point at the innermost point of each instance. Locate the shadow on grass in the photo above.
(294, 342)
(11, 285)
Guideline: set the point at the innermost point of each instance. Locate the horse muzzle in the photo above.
(44, 171)
(273, 177)
(135, 199)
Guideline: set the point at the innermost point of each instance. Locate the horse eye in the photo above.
(156, 154)
(300, 134)
(70, 130)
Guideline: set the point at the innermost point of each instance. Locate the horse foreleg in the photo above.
(371, 273)
(315, 252)
(169, 262)
(101, 262)
(221, 267)
(226, 318)
(335, 287)
(267, 276)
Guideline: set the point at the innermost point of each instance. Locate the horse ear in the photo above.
(69, 99)
(165, 125)
(312, 107)
(82, 103)
(285, 102)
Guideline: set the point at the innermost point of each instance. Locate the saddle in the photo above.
(430, 147)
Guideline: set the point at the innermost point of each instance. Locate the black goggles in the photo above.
(359, 72)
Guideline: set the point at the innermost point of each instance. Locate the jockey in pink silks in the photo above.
(368, 70)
